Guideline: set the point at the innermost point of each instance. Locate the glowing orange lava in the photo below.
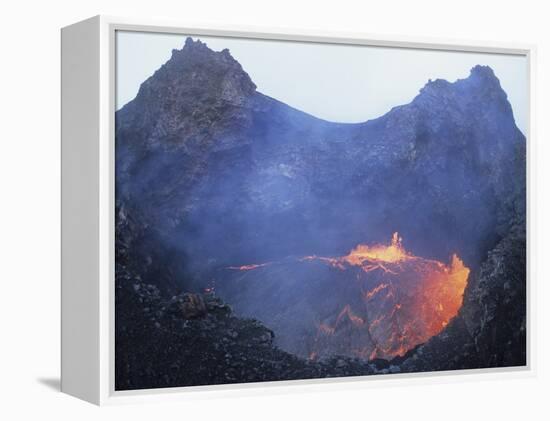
(393, 300)
(406, 300)
(393, 253)
(249, 267)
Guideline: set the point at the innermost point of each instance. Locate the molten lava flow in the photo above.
(375, 290)
(393, 253)
(249, 267)
(378, 301)
(370, 258)
(405, 301)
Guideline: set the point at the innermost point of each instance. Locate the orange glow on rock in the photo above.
(249, 267)
(404, 300)
(412, 300)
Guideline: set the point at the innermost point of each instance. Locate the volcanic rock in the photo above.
(212, 174)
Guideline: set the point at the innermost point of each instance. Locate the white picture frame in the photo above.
(88, 106)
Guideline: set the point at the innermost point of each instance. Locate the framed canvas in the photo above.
(243, 208)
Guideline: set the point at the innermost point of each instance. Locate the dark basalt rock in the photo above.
(157, 345)
(490, 329)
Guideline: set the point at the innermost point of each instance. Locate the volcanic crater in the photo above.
(223, 192)
(378, 301)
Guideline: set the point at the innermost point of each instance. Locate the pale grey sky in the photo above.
(334, 82)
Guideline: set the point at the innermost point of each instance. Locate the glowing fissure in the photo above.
(404, 301)
(249, 267)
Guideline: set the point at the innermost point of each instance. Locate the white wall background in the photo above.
(29, 230)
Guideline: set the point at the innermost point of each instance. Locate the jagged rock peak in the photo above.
(189, 43)
(480, 87)
(480, 78)
(198, 47)
(195, 75)
(483, 77)
(202, 62)
(479, 71)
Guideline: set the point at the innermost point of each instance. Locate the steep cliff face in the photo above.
(211, 173)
